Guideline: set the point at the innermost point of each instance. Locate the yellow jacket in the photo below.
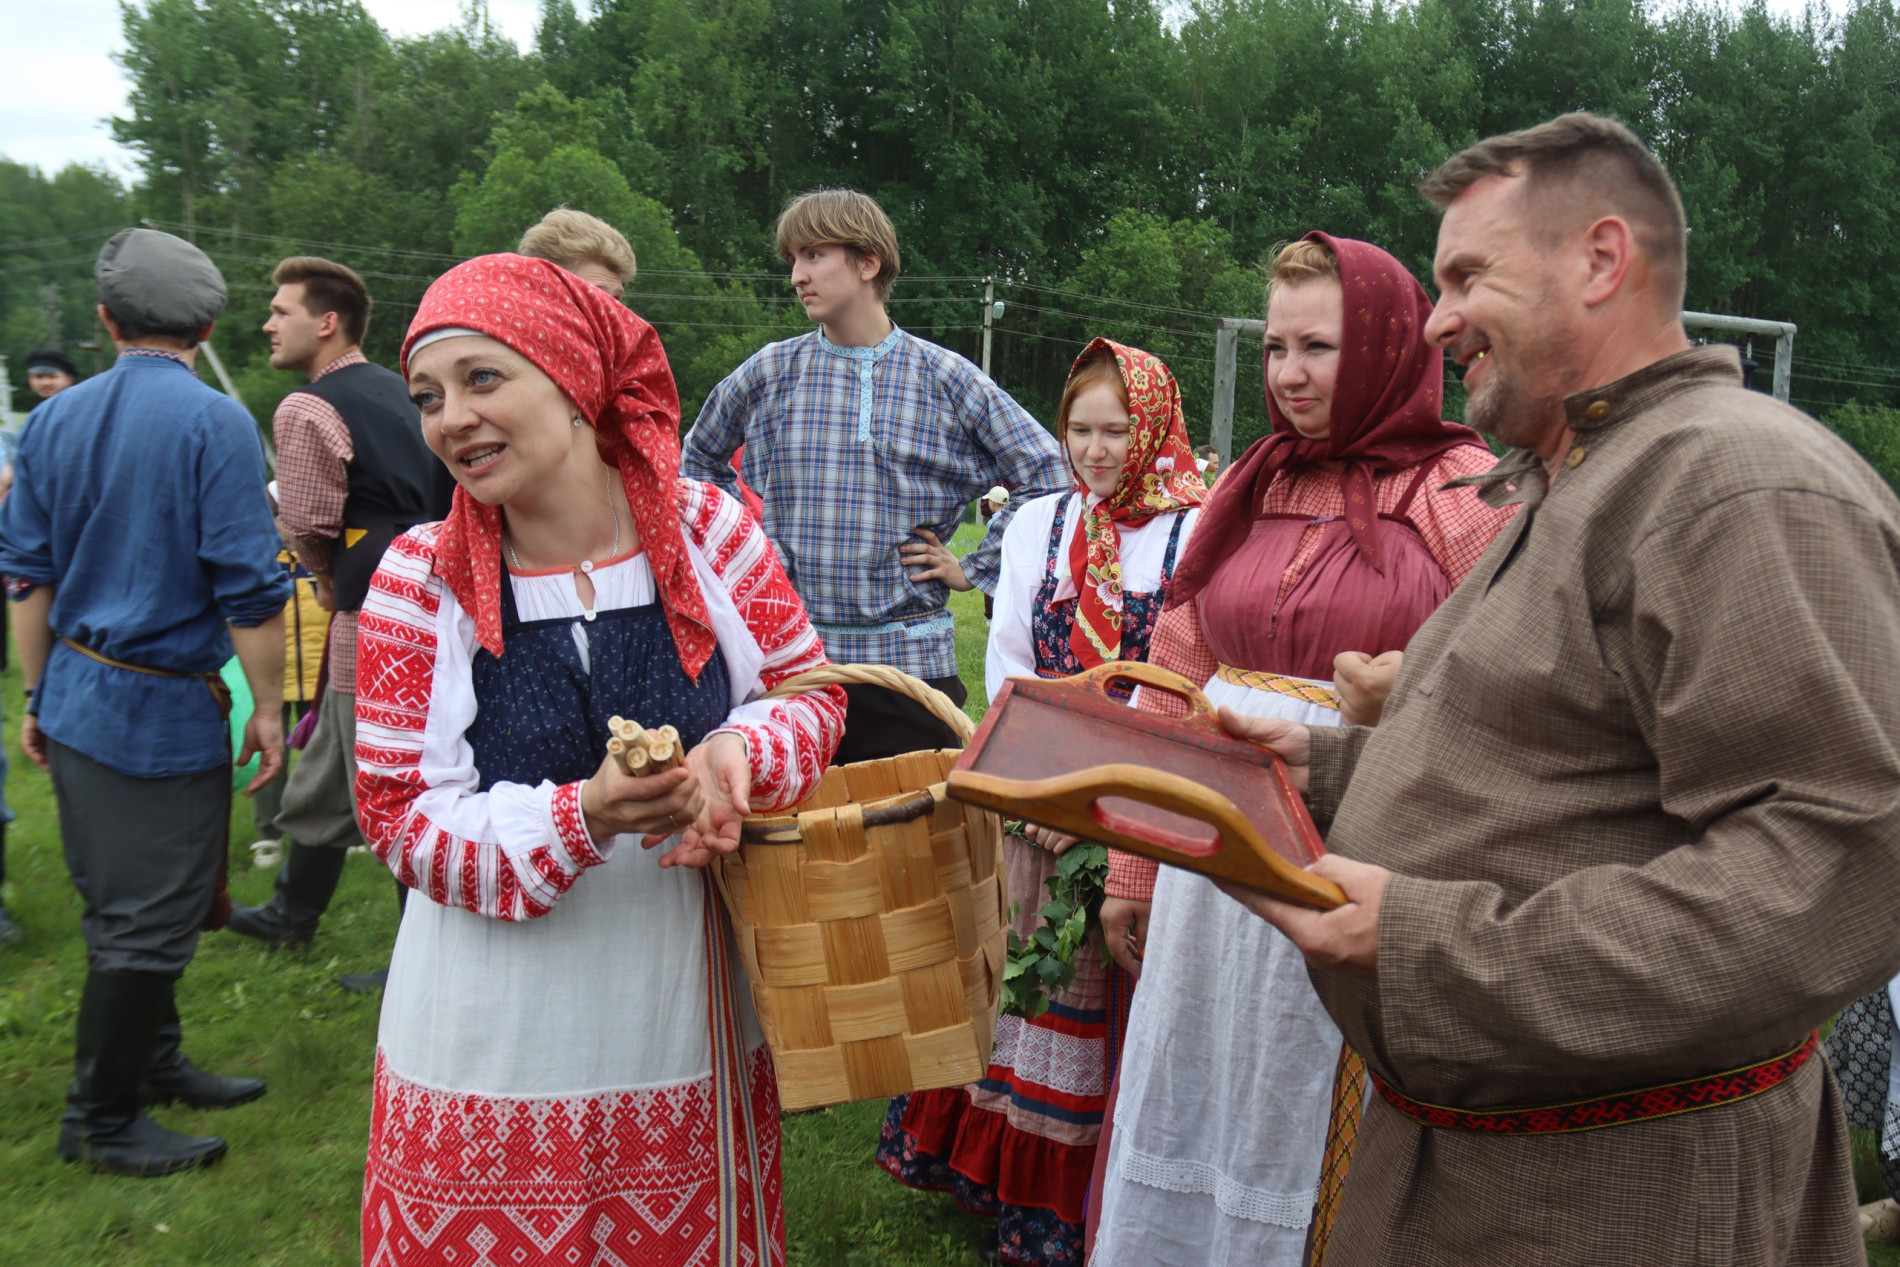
(305, 627)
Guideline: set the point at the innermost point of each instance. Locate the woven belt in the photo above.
(1668, 1100)
(213, 682)
(1298, 687)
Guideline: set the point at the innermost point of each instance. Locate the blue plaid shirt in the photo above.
(852, 448)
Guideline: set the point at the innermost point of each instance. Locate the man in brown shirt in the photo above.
(1632, 816)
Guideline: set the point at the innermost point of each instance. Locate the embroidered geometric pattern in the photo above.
(1298, 687)
(1609, 1110)
(789, 741)
(606, 1177)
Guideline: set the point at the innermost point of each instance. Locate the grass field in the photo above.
(288, 1192)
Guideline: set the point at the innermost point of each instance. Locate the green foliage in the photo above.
(1044, 966)
(61, 219)
(1114, 172)
(1875, 434)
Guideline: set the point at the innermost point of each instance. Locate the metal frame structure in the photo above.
(1227, 355)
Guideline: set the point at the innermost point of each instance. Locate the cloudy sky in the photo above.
(61, 84)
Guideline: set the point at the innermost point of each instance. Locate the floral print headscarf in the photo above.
(1159, 476)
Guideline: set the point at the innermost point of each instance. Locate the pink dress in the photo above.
(1226, 1082)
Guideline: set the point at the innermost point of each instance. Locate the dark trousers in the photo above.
(144, 856)
(880, 723)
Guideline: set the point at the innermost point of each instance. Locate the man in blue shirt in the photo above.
(868, 445)
(139, 550)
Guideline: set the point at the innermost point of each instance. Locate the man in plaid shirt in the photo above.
(868, 445)
(352, 473)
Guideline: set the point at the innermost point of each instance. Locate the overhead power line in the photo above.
(35, 244)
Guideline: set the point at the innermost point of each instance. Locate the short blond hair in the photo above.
(1303, 261)
(571, 238)
(846, 218)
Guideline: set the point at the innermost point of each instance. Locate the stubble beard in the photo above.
(1510, 406)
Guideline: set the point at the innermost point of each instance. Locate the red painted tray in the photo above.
(1069, 755)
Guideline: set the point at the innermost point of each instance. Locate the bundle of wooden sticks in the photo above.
(642, 752)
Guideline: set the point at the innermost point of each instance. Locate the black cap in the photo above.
(50, 361)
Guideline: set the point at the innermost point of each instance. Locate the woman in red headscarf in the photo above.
(1083, 578)
(565, 1069)
(1325, 546)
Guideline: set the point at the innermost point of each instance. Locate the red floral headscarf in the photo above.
(610, 364)
(1386, 416)
(1159, 475)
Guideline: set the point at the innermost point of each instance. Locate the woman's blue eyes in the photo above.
(476, 378)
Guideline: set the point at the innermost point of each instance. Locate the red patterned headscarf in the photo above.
(1386, 416)
(1159, 475)
(610, 364)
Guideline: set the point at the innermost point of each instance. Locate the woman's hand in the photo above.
(1291, 740)
(653, 806)
(1125, 931)
(935, 559)
(1364, 683)
(1056, 842)
(724, 772)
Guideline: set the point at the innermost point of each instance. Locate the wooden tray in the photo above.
(1067, 754)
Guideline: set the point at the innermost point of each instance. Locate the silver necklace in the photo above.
(585, 565)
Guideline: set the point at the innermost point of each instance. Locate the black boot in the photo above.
(305, 884)
(119, 1015)
(171, 1076)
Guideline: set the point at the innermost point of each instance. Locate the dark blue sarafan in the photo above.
(542, 714)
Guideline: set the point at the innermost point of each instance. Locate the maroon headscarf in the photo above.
(1386, 416)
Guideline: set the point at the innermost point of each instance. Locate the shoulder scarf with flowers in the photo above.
(1158, 476)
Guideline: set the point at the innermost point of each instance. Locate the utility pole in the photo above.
(989, 307)
(51, 291)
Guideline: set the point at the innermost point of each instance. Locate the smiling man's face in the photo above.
(1507, 309)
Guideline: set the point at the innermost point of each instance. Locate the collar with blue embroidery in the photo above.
(867, 359)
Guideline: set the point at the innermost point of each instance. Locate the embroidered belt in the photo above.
(921, 626)
(1298, 687)
(1668, 1100)
(213, 681)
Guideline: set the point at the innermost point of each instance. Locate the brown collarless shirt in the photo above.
(1639, 784)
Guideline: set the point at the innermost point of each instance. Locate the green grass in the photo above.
(289, 1191)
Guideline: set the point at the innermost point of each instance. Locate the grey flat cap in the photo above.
(158, 281)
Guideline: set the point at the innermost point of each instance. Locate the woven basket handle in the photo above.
(883, 675)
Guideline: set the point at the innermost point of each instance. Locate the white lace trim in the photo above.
(1236, 1200)
(1062, 1062)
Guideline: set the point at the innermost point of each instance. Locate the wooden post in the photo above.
(1226, 352)
(989, 309)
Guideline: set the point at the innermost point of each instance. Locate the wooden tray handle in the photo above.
(1078, 796)
(1102, 676)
